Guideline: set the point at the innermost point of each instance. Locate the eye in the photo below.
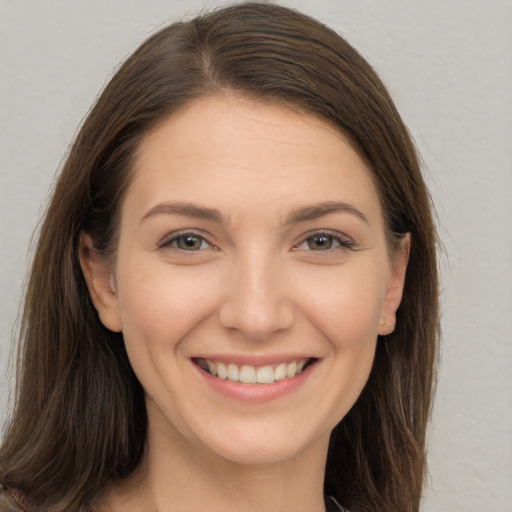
(189, 242)
(324, 242)
(321, 242)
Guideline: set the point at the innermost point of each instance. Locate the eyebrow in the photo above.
(185, 208)
(305, 213)
(298, 214)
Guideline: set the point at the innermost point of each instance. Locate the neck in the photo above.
(176, 476)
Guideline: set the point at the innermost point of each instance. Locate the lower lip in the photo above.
(256, 393)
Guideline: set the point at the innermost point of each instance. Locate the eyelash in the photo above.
(340, 241)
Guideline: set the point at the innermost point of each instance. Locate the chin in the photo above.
(251, 444)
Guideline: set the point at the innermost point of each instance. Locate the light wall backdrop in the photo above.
(447, 63)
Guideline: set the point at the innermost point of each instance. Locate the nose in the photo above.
(258, 301)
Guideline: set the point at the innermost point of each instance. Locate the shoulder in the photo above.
(8, 503)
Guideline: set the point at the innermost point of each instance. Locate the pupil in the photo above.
(320, 242)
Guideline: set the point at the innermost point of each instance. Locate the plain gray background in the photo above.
(448, 64)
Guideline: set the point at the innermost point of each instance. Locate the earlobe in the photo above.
(100, 280)
(395, 286)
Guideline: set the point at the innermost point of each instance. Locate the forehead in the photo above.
(243, 154)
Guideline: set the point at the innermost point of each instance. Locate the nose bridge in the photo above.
(258, 303)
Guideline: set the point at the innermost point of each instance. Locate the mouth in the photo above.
(248, 374)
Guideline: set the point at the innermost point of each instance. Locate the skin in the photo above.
(258, 284)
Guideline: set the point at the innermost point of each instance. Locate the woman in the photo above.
(233, 302)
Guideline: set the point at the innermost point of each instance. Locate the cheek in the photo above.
(160, 304)
(346, 311)
(346, 305)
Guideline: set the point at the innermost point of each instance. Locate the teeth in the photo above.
(222, 371)
(265, 375)
(232, 372)
(280, 372)
(212, 367)
(249, 374)
(291, 369)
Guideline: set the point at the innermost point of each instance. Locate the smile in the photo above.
(248, 374)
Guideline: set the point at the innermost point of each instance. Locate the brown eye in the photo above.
(323, 241)
(186, 241)
(189, 242)
(320, 242)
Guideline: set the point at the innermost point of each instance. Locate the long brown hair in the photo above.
(79, 420)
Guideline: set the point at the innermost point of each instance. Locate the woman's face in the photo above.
(252, 246)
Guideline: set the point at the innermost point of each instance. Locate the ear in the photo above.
(100, 280)
(395, 286)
